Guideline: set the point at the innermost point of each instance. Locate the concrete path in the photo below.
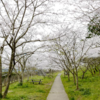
(57, 91)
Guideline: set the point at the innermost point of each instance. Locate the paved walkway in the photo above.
(57, 91)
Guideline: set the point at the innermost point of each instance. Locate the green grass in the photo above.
(89, 87)
(30, 91)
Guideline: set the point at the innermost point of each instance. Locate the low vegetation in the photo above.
(30, 91)
(89, 87)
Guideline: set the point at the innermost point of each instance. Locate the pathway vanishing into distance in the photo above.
(57, 91)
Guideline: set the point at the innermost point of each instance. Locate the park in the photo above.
(49, 50)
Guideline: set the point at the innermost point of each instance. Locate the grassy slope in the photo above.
(30, 91)
(89, 88)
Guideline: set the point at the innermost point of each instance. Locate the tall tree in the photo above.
(20, 19)
(1, 55)
(70, 50)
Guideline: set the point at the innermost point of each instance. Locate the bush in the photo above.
(19, 84)
(72, 98)
(82, 89)
(87, 92)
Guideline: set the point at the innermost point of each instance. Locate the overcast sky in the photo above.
(74, 14)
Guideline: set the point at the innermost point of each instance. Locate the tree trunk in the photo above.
(74, 78)
(11, 67)
(64, 73)
(20, 80)
(0, 77)
(99, 71)
(28, 77)
(7, 86)
(1, 52)
(91, 73)
(77, 85)
(83, 75)
(22, 76)
(68, 76)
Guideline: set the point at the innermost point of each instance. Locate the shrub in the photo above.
(72, 98)
(87, 92)
(82, 89)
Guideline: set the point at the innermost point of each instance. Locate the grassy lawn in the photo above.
(89, 87)
(30, 91)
